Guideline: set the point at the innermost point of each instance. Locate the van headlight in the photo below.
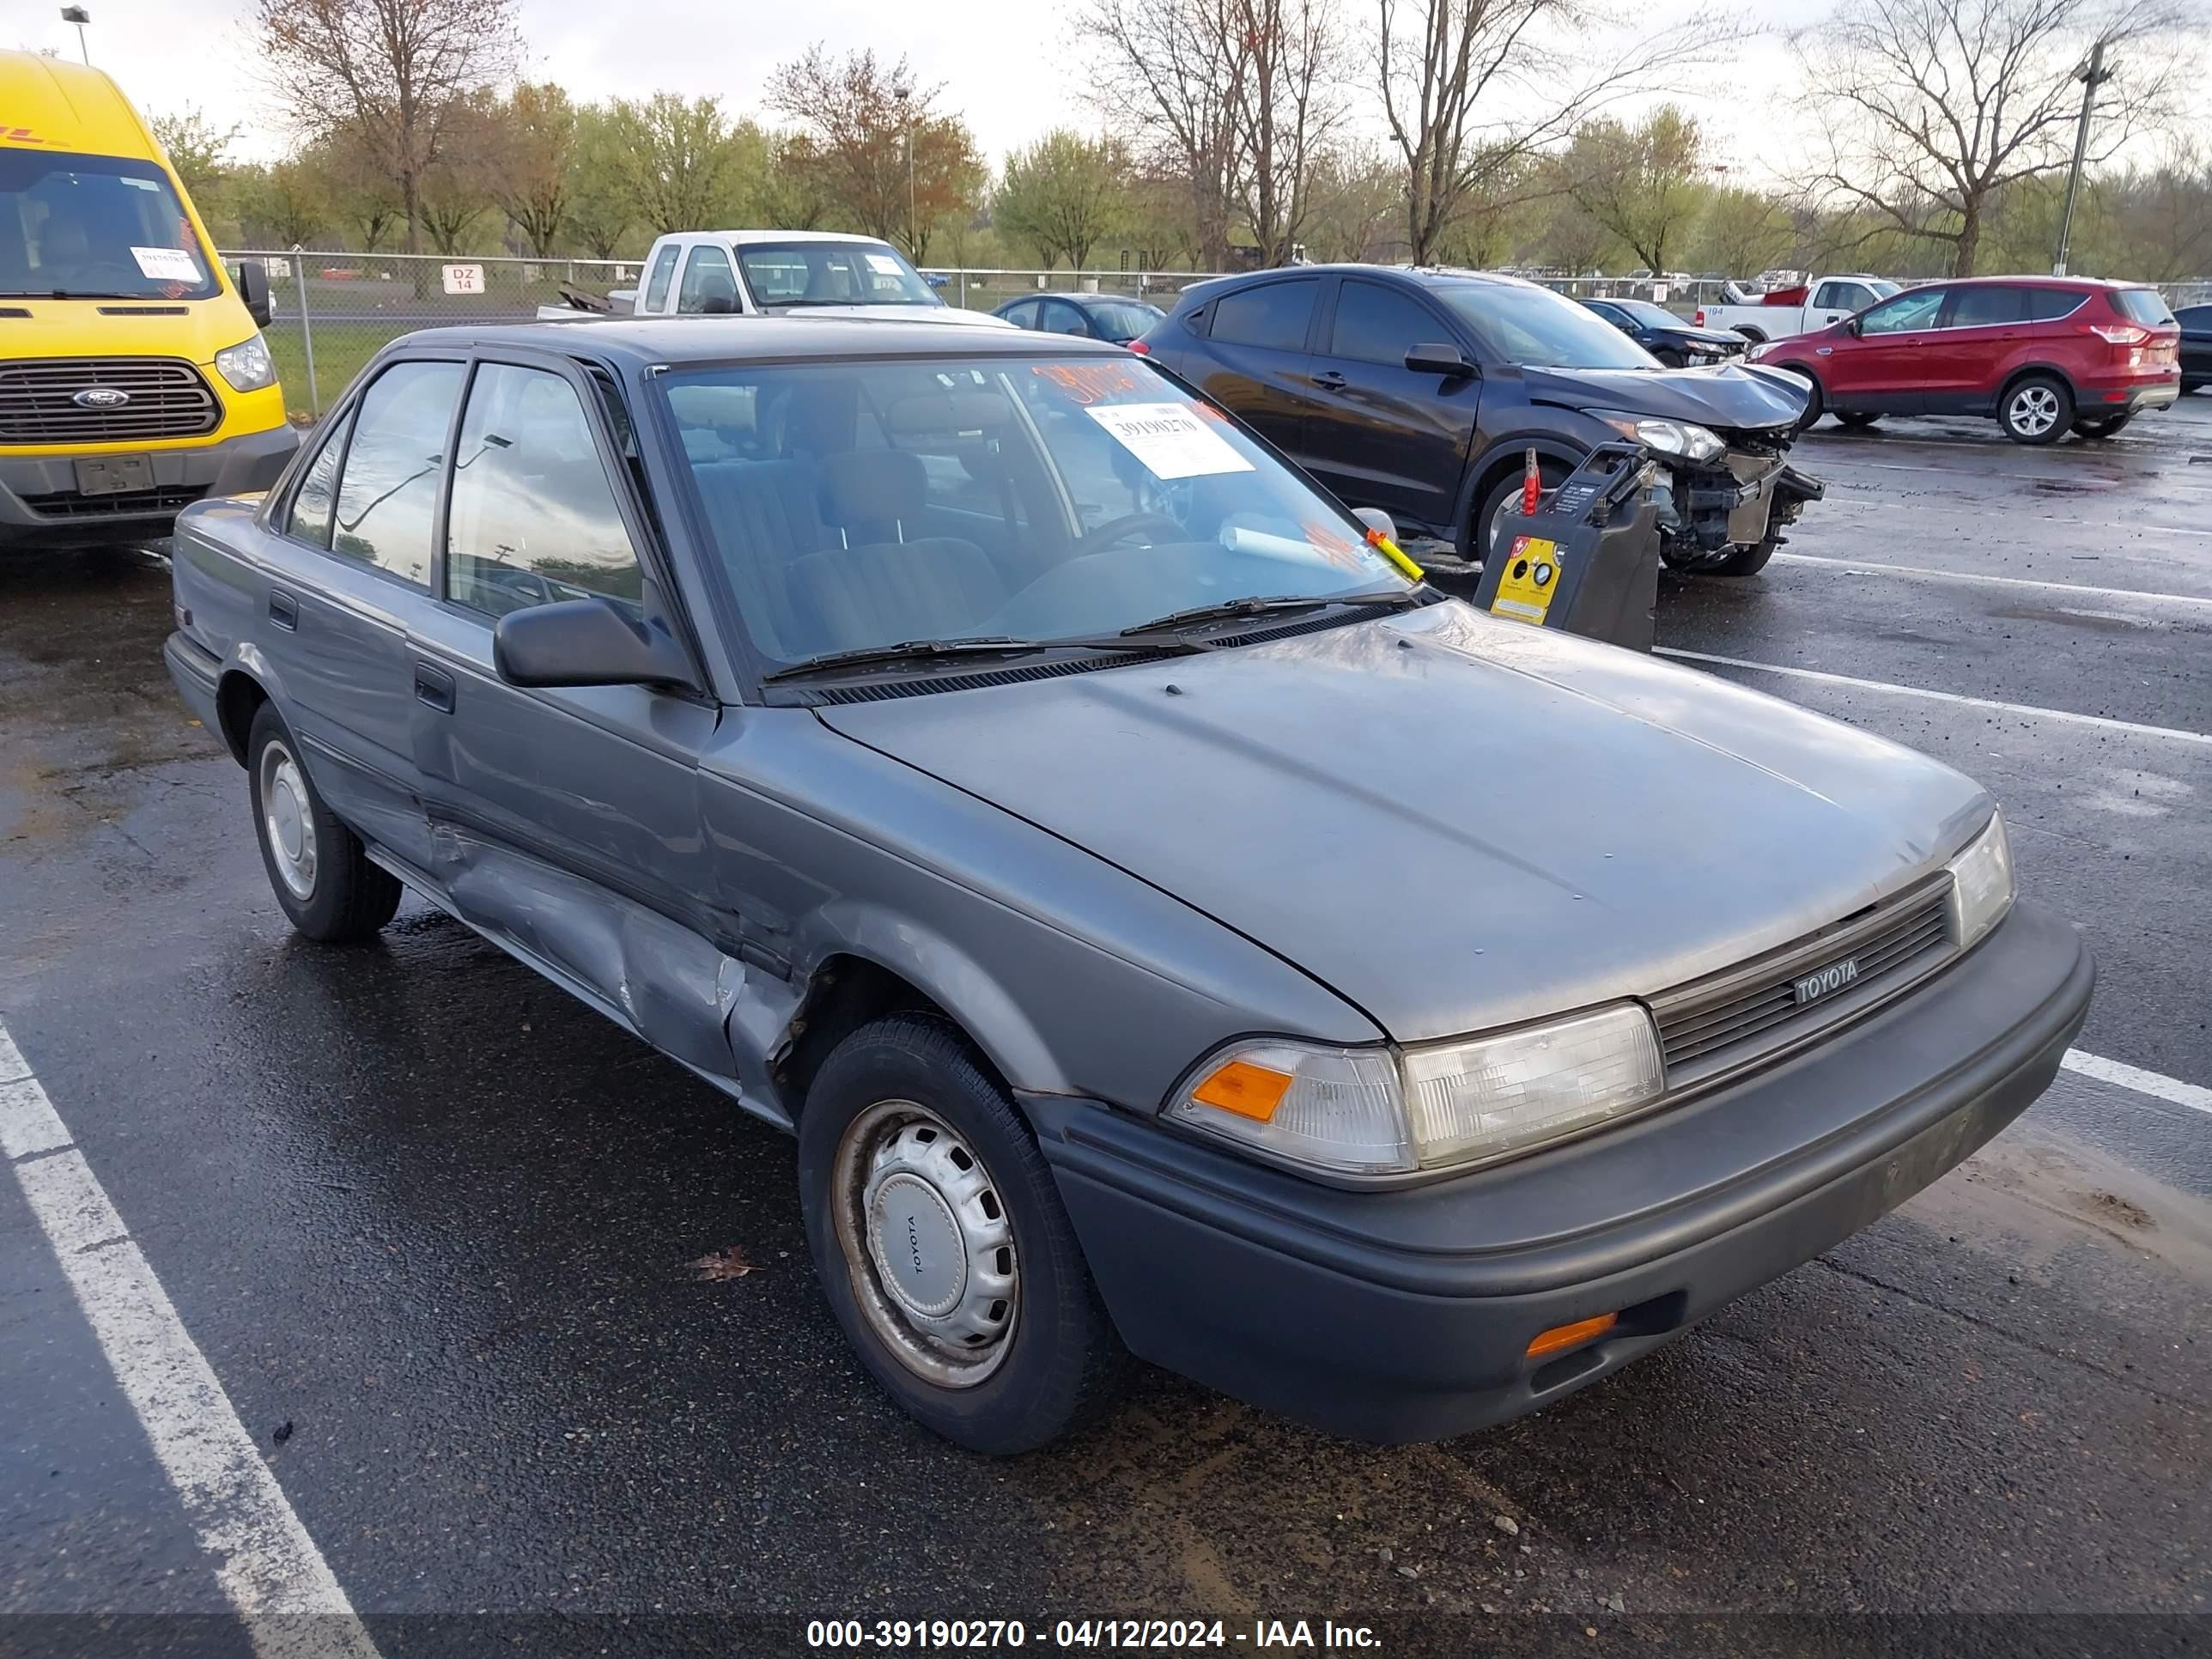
(1681, 439)
(1981, 883)
(1365, 1111)
(247, 366)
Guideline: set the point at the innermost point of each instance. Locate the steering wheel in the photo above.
(100, 272)
(1113, 530)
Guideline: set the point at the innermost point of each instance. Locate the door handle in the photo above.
(433, 686)
(283, 609)
(1329, 380)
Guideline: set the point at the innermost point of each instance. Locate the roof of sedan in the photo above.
(640, 341)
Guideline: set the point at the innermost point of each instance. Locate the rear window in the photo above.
(2142, 305)
(1273, 315)
(2048, 305)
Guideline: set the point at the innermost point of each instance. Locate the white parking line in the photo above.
(2193, 1095)
(2136, 527)
(2028, 708)
(291, 1603)
(1922, 573)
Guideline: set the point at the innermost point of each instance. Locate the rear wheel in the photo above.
(1744, 561)
(2038, 410)
(317, 867)
(1856, 421)
(940, 1241)
(2104, 427)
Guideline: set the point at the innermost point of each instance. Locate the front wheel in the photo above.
(2037, 410)
(1668, 357)
(1855, 421)
(1816, 401)
(1491, 514)
(321, 874)
(2104, 426)
(1744, 561)
(940, 1241)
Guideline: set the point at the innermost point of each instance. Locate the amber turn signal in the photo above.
(1567, 1336)
(1247, 1089)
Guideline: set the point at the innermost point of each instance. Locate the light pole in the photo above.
(80, 16)
(2092, 75)
(904, 95)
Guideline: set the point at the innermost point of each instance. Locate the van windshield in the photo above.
(96, 227)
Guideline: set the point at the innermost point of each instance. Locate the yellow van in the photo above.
(133, 376)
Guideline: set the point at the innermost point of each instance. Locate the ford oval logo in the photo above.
(101, 397)
(1826, 982)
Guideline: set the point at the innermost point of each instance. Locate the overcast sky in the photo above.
(1009, 70)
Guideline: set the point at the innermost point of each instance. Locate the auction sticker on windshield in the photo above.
(1169, 439)
(167, 265)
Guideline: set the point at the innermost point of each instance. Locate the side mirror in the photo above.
(1854, 328)
(1375, 518)
(254, 288)
(1433, 358)
(584, 642)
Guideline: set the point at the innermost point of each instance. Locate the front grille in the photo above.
(169, 398)
(129, 503)
(1717, 1023)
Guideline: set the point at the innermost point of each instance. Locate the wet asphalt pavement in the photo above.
(438, 1223)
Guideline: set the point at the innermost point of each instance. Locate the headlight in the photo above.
(1666, 437)
(1361, 1112)
(247, 366)
(1981, 883)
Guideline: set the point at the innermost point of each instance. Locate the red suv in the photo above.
(2045, 355)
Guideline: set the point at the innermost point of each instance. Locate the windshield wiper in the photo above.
(924, 650)
(74, 294)
(1256, 605)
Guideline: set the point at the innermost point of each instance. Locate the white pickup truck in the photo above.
(776, 272)
(1783, 312)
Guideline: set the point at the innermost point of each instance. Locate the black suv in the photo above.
(1421, 391)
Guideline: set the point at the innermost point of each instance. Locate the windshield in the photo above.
(1643, 311)
(1537, 328)
(832, 274)
(862, 505)
(1882, 287)
(95, 226)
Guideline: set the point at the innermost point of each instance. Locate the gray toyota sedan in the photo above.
(1169, 928)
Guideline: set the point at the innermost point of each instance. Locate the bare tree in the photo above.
(1286, 105)
(880, 152)
(1472, 88)
(1931, 107)
(1169, 75)
(393, 75)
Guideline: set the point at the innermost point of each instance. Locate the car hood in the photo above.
(891, 313)
(1453, 822)
(1719, 336)
(1730, 396)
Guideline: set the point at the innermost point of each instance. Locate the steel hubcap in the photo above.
(926, 1243)
(2036, 410)
(287, 822)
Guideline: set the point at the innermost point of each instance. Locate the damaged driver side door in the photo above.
(565, 822)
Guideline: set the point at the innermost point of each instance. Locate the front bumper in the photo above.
(40, 505)
(1406, 1315)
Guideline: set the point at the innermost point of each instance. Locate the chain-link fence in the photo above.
(335, 311)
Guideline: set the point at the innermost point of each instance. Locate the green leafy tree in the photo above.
(1639, 182)
(1063, 196)
(678, 160)
(1741, 233)
(196, 146)
(530, 162)
(598, 211)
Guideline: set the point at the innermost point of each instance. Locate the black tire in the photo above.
(1667, 357)
(1816, 400)
(2188, 386)
(1855, 420)
(1062, 1364)
(346, 897)
(2036, 409)
(1744, 561)
(2104, 427)
(1484, 521)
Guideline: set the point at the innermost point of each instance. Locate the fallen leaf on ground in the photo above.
(723, 1264)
